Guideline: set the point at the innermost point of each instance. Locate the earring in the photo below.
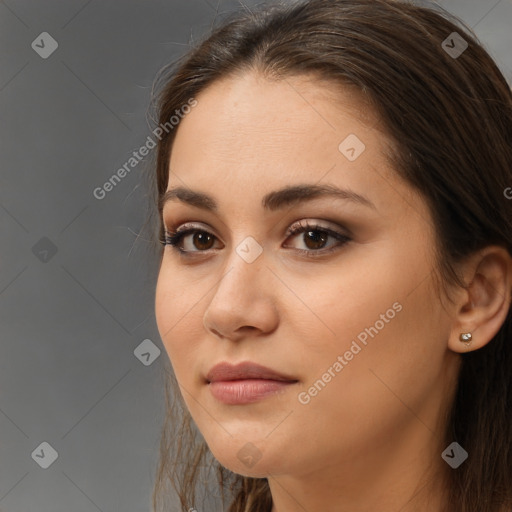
(466, 338)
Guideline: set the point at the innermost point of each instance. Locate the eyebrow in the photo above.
(272, 201)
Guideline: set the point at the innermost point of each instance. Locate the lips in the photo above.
(248, 370)
(246, 383)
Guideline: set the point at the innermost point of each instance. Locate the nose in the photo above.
(243, 302)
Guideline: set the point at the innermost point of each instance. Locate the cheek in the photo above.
(382, 317)
(165, 310)
(177, 320)
(344, 302)
(380, 381)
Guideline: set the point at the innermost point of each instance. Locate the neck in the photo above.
(406, 475)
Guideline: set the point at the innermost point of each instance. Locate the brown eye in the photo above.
(202, 240)
(315, 238)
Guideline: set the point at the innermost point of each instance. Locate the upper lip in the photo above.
(247, 370)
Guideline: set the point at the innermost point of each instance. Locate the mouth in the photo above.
(245, 383)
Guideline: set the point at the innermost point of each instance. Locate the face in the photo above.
(344, 309)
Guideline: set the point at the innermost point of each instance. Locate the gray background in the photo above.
(72, 320)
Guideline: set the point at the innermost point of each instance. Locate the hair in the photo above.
(450, 121)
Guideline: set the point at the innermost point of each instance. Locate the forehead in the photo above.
(248, 120)
(301, 104)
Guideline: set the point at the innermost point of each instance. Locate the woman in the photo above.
(335, 283)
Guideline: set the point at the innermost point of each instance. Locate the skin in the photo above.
(371, 439)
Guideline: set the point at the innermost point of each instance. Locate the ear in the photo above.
(482, 307)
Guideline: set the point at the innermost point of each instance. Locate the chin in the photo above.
(247, 459)
(235, 466)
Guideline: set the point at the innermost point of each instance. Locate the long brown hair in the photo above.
(450, 117)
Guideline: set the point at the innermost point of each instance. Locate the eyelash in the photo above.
(174, 238)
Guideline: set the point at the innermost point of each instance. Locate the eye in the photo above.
(315, 237)
(202, 238)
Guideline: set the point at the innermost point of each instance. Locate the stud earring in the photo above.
(466, 338)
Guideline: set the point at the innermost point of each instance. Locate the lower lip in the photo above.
(238, 392)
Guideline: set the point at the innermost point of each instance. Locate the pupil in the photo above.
(199, 236)
(320, 237)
